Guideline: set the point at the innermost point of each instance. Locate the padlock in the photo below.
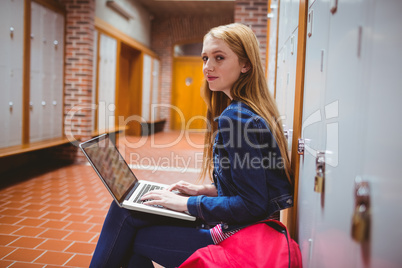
(319, 183)
(320, 173)
(361, 224)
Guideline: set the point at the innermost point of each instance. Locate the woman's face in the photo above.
(221, 65)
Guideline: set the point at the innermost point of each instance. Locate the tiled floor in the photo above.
(53, 218)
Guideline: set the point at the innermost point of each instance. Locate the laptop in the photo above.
(120, 180)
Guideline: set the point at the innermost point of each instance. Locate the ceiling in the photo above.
(169, 8)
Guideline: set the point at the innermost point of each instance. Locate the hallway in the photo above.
(53, 218)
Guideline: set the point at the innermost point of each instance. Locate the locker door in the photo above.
(310, 203)
(47, 74)
(146, 87)
(284, 22)
(340, 122)
(57, 48)
(294, 15)
(273, 24)
(155, 114)
(290, 90)
(106, 82)
(37, 73)
(285, 90)
(381, 143)
(11, 40)
(282, 70)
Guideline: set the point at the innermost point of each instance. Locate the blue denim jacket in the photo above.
(248, 172)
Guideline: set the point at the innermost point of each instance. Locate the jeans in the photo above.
(135, 239)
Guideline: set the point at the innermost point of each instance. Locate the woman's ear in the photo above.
(246, 67)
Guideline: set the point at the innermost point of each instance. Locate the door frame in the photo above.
(298, 113)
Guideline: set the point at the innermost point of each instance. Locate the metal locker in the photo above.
(47, 65)
(340, 119)
(146, 87)
(380, 139)
(107, 82)
(282, 68)
(284, 22)
(11, 61)
(155, 113)
(290, 87)
(310, 202)
(35, 108)
(273, 24)
(45, 107)
(294, 16)
(36, 76)
(57, 48)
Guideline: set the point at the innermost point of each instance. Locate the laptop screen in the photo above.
(110, 165)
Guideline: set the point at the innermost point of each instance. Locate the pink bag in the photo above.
(265, 244)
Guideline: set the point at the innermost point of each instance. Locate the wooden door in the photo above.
(189, 108)
(128, 95)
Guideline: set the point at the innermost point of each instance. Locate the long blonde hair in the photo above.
(251, 88)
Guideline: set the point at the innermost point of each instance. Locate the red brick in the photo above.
(79, 261)
(29, 231)
(55, 258)
(27, 242)
(31, 222)
(54, 245)
(76, 226)
(56, 234)
(24, 255)
(80, 236)
(7, 239)
(79, 247)
(8, 229)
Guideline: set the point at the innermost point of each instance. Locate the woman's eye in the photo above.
(219, 58)
(204, 58)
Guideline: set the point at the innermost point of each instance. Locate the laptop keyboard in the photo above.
(147, 188)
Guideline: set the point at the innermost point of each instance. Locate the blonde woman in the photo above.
(245, 157)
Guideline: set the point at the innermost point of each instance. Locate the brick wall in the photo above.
(167, 32)
(254, 14)
(79, 44)
(170, 31)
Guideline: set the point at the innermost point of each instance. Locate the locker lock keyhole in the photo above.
(12, 32)
(189, 81)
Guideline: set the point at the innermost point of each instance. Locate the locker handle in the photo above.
(361, 218)
(310, 24)
(292, 45)
(12, 32)
(54, 103)
(333, 6)
(319, 180)
(43, 103)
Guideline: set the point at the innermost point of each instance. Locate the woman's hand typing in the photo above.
(165, 199)
(177, 201)
(190, 189)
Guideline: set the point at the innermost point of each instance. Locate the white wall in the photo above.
(138, 28)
